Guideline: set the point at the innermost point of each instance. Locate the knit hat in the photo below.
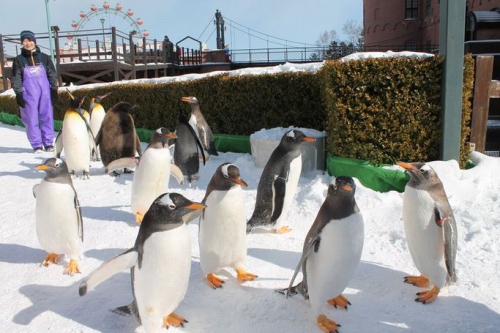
(27, 34)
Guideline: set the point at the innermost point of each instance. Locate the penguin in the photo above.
(59, 225)
(222, 231)
(76, 138)
(160, 264)
(97, 113)
(278, 183)
(117, 137)
(331, 253)
(201, 128)
(152, 174)
(186, 150)
(430, 229)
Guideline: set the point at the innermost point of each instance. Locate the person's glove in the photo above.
(54, 96)
(20, 100)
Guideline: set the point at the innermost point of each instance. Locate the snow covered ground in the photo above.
(40, 299)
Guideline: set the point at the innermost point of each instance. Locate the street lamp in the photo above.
(103, 38)
(51, 37)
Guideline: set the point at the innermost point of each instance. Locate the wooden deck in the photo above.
(127, 60)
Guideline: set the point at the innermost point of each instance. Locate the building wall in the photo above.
(386, 27)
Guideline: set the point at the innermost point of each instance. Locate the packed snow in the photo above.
(41, 299)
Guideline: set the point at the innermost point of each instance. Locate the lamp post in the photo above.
(51, 43)
(103, 38)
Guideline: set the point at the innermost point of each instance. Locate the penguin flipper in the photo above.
(176, 172)
(279, 189)
(115, 265)
(122, 163)
(35, 190)
(59, 144)
(305, 253)
(198, 143)
(79, 218)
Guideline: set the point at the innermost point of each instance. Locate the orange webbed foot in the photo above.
(244, 275)
(214, 281)
(327, 325)
(173, 320)
(418, 281)
(51, 258)
(339, 301)
(72, 268)
(282, 230)
(427, 296)
(138, 217)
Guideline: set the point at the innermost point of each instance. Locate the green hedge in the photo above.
(381, 110)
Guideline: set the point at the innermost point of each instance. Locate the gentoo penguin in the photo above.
(430, 229)
(97, 113)
(331, 253)
(222, 232)
(160, 263)
(200, 126)
(117, 137)
(152, 174)
(186, 150)
(76, 138)
(59, 225)
(278, 183)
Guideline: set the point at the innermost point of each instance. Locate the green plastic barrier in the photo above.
(373, 177)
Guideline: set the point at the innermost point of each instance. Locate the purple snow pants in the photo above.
(37, 115)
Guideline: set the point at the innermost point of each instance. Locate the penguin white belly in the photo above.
(161, 282)
(424, 237)
(76, 143)
(194, 124)
(222, 234)
(331, 268)
(96, 119)
(56, 219)
(151, 178)
(291, 187)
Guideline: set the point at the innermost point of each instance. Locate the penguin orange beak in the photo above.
(42, 167)
(406, 166)
(196, 206)
(240, 182)
(171, 136)
(308, 139)
(346, 187)
(186, 99)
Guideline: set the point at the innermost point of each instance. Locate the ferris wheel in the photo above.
(108, 16)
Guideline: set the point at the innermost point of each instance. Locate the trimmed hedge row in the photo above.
(381, 110)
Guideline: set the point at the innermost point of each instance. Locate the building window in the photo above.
(411, 45)
(428, 8)
(411, 10)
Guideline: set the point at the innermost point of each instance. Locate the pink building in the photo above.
(414, 24)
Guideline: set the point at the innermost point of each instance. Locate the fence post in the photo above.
(114, 55)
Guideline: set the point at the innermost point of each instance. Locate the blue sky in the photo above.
(291, 21)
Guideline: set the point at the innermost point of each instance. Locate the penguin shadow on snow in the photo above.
(109, 214)
(104, 254)
(66, 302)
(15, 150)
(30, 172)
(379, 292)
(20, 254)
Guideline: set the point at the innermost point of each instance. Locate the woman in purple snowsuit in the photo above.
(34, 81)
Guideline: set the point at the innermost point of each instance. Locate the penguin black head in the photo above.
(123, 107)
(75, 103)
(98, 99)
(230, 174)
(295, 138)
(170, 208)
(422, 175)
(163, 136)
(342, 185)
(54, 168)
